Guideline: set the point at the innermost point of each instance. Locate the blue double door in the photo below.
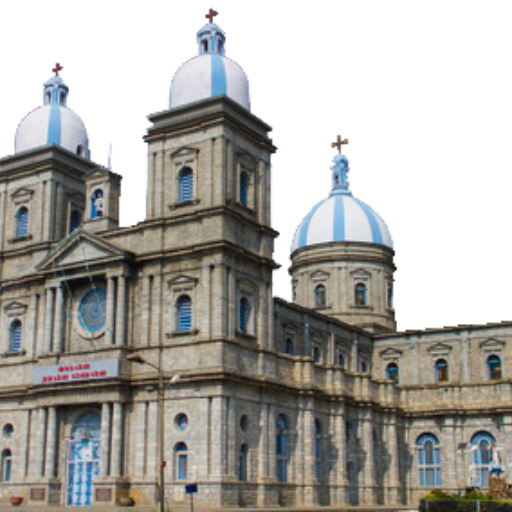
(83, 462)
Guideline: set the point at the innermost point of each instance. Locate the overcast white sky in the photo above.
(422, 89)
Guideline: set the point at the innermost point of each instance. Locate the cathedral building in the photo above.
(138, 360)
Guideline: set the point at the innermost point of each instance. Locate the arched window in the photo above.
(429, 460)
(282, 448)
(186, 183)
(360, 294)
(243, 315)
(320, 296)
(74, 220)
(494, 367)
(16, 336)
(244, 188)
(6, 465)
(97, 204)
(242, 463)
(442, 373)
(80, 150)
(22, 222)
(318, 450)
(184, 313)
(317, 354)
(482, 444)
(390, 295)
(341, 359)
(392, 372)
(289, 347)
(181, 461)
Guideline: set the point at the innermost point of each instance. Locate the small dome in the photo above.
(53, 123)
(341, 217)
(210, 73)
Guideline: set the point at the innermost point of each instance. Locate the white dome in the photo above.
(210, 73)
(53, 123)
(341, 217)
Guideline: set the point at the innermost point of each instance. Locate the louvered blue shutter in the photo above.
(22, 222)
(16, 336)
(244, 185)
(184, 313)
(74, 220)
(244, 314)
(186, 185)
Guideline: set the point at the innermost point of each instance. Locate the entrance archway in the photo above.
(83, 461)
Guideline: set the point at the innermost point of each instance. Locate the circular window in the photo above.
(182, 421)
(92, 310)
(244, 422)
(8, 430)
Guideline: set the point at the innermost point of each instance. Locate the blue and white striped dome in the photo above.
(53, 123)
(210, 73)
(341, 217)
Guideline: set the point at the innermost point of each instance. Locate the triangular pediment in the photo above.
(360, 273)
(185, 152)
(391, 354)
(319, 275)
(492, 345)
(82, 249)
(440, 349)
(22, 193)
(182, 281)
(15, 308)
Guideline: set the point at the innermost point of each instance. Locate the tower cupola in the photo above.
(210, 73)
(54, 122)
(342, 257)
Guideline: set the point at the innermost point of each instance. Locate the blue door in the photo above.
(83, 460)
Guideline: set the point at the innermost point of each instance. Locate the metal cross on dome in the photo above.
(211, 14)
(57, 68)
(339, 142)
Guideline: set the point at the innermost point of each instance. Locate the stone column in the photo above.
(59, 320)
(340, 444)
(34, 327)
(121, 311)
(218, 433)
(153, 460)
(145, 330)
(116, 457)
(110, 313)
(51, 443)
(369, 484)
(41, 429)
(394, 486)
(156, 310)
(309, 437)
(3, 213)
(105, 440)
(48, 345)
(232, 306)
(263, 447)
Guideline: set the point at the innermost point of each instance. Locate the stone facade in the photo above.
(277, 403)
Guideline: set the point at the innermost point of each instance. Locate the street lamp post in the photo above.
(137, 358)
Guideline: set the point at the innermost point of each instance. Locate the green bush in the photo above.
(438, 494)
(476, 495)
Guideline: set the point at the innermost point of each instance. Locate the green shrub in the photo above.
(438, 494)
(476, 495)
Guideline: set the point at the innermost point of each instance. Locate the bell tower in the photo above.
(209, 188)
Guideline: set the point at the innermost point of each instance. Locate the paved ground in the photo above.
(10, 508)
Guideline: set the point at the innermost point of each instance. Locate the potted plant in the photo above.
(16, 500)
